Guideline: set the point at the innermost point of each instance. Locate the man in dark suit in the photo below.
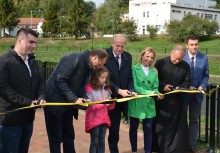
(199, 78)
(67, 84)
(119, 65)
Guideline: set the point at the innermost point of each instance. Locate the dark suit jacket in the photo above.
(68, 80)
(120, 79)
(201, 73)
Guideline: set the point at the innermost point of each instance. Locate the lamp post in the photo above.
(61, 19)
(92, 30)
(42, 14)
(31, 19)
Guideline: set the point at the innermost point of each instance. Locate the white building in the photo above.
(33, 23)
(158, 12)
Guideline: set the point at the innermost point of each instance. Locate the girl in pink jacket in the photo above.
(97, 119)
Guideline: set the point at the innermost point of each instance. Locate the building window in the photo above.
(202, 15)
(144, 14)
(176, 11)
(197, 14)
(215, 17)
(158, 27)
(143, 27)
(209, 16)
(148, 14)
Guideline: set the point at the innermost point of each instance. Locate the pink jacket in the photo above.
(97, 114)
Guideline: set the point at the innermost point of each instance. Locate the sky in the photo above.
(97, 2)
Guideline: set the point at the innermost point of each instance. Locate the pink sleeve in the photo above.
(97, 106)
(111, 106)
(88, 88)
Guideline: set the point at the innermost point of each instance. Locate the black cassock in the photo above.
(170, 125)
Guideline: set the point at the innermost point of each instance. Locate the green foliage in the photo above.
(108, 16)
(77, 17)
(52, 22)
(129, 28)
(217, 6)
(152, 30)
(48, 50)
(8, 17)
(101, 20)
(24, 7)
(190, 24)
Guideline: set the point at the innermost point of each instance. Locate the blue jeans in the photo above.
(147, 128)
(15, 139)
(98, 139)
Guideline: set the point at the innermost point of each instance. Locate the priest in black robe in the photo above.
(171, 120)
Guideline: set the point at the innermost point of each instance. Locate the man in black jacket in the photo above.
(20, 85)
(67, 84)
(122, 85)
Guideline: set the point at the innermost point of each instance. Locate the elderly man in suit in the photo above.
(199, 79)
(119, 65)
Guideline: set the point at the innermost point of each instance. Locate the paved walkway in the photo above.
(39, 141)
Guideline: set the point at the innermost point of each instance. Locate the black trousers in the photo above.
(115, 117)
(59, 124)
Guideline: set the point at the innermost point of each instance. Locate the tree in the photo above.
(190, 24)
(25, 6)
(174, 30)
(8, 15)
(129, 28)
(52, 22)
(109, 20)
(152, 30)
(101, 19)
(77, 17)
(217, 4)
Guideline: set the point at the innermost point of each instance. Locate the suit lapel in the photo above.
(140, 72)
(198, 61)
(187, 57)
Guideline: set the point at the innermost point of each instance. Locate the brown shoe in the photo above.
(192, 150)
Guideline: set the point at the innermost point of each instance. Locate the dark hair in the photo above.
(94, 77)
(100, 53)
(191, 37)
(26, 31)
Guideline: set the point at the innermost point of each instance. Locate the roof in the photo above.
(197, 8)
(30, 21)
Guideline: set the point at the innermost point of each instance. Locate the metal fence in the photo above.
(209, 121)
(46, 68)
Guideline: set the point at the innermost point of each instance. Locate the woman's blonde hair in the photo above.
(147, 50)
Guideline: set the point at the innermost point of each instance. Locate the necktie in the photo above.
(117, 57)
(117, 60)
(192, 65)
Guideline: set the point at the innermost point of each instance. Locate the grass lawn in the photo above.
(53, 50)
